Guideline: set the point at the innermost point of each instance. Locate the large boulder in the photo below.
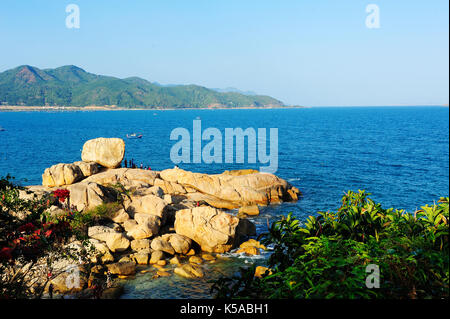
(161, 244)
(72, 279)
(87, 168)
(107, 152)
(140, 244)
(67, 174)
(170, 187)
(146, 226)
(120, 216)
(86, 195)
(248, 188)
(156, 256)
(189, 271)
(252, 210)
(128, 177)
(181, 244)
(61, 174)
(149, 204)
(114, 240)
(123, 268)
(211, 228)
(140, 258)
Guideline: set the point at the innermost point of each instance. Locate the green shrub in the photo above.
(327, 256)
(81, 221)
(30, 238)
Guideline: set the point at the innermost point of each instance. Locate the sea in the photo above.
(400, 155)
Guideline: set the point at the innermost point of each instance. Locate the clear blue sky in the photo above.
(303, 52)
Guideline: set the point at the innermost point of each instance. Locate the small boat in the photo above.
(134, 135)
(2, 129)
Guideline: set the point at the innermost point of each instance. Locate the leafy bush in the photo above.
(80, 222)
(327, 256)
(29, 235)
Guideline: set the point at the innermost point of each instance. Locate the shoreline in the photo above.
(12, 108)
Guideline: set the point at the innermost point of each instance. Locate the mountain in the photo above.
(72, 86)
(230, 89)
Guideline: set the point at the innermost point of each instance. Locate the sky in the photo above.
(311, 53)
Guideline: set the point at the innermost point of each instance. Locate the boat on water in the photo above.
(134, 135)
(2, 129)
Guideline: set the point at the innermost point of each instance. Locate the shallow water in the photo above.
(399, 154)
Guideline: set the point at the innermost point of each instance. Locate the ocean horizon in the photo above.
(398, 154)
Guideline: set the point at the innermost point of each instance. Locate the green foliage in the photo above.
(80, 221)
(31, 238)
(72, 86)
(327, 256)
(11, 204)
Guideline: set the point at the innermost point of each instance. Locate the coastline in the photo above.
(13, 108)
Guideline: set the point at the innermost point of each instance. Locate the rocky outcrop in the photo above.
(140, 244)
(129, 177)
(211, 228)
(120, 216)
(87, 168)
(161, 244)
(236, 189)
(160, 217)
(115, 241)
(146, 226)
(61, 174)
(107, 152)
(180, 244)
(156, 256)
(172, 244)
(140, 258)
(122, 268)
(86, 195)
(71, 280)
(189, 271)
(149, 205)
(67, 174)
(103, 254)
(252, 210)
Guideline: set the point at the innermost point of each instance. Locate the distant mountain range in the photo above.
(72, 86)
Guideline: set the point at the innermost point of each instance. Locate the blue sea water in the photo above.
(399, 154)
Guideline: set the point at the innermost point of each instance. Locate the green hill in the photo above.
(72, 86)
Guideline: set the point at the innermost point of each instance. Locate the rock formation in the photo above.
(107, 152)
(211, 228)
(173, 214)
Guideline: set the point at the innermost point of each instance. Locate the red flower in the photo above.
(48, 233)
(61, 194)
